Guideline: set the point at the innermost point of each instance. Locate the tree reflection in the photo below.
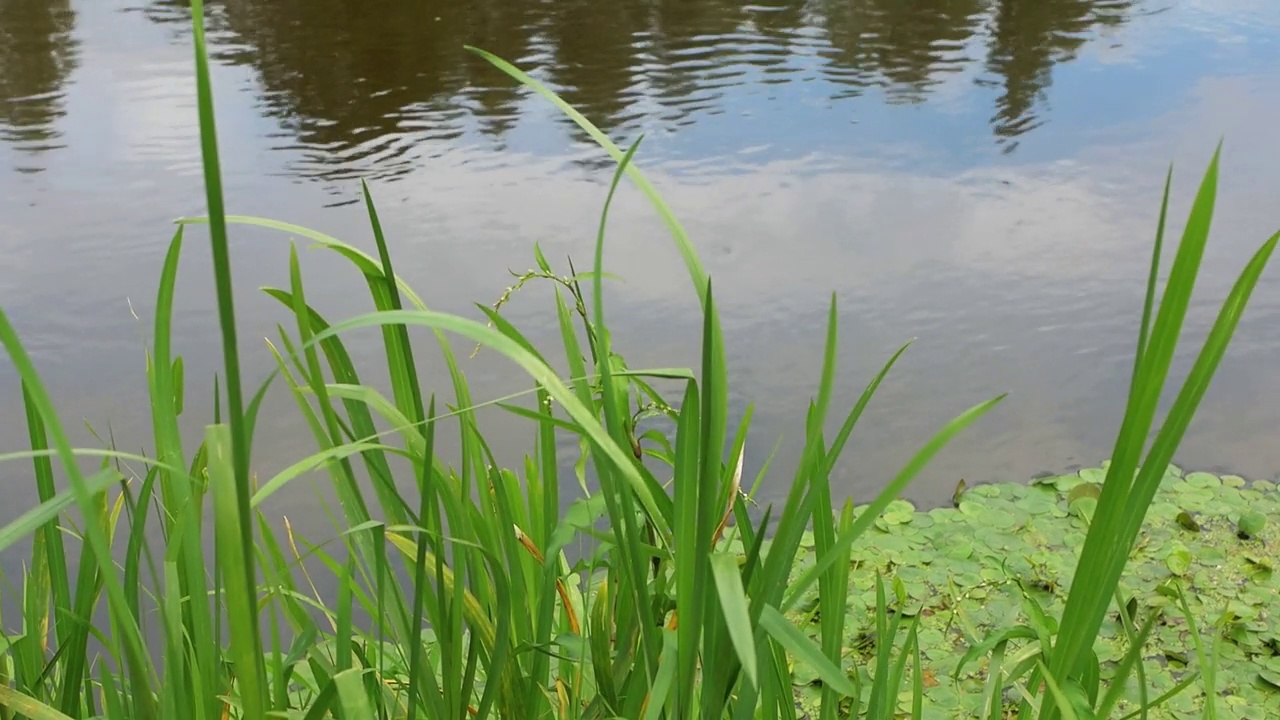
(37, 54)
(370, 85)
(1028, 39)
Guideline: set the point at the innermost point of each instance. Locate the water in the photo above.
(982, 176)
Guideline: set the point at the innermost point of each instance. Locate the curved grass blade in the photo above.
(55, 554)
(252, 673)
(1128, 491)
(241, 599)
(790, 637)
(891, 491)
(40, 516)
(364, 262)
(28, 706)
(624, 521)
(1058, 694)
(733, 602)
(696, 273)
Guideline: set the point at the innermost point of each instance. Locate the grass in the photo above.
(458, 599)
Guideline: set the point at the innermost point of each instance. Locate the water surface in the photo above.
(981, 176)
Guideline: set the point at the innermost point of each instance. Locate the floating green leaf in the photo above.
(1178, 559)
(1203, 480)
(1085, 490)
(1251, 524)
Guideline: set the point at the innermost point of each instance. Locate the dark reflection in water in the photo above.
(1027, 38)
(365, 89)
(37, 54)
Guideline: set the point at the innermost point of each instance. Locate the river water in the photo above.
(981, 175)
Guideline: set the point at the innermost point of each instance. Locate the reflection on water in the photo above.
(37, 54)
(981, 175)
(365, 92)
(1027, 38)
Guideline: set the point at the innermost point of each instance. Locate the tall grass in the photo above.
(458, 599)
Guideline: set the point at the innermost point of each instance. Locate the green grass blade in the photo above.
(166, 387)
(1208, 664)
(366, 264)
(322, 703)
(624, 519)
(309, 464)
(883, 693)
(251, 671)
(28, 706)
(352, 697)
(891, 491)
(790, 637)
(241, 597)
(733, 601)
(55, 554)
(1125, 497)
(1153, 276)
(88, 588)
(404, 374)
(1131, 660)
(685, 247)
(833, 598)
(179, 494)
(41, 515)
(688, 562)
(711, 482)
(31, 655)
(917, 673)
(851, 420)
(1164, 697)
(1196, 385)
(1058, 694)
(664, 678)
(826, 383)
(422, 684)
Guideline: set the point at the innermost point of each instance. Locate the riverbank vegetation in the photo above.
(156, 587)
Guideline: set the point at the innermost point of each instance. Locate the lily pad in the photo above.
(1270, 677)
(1093, 475)
(1083, 491)
(1058, 482)
(1083, 500)
(1251, 524)
(1234, 481)
(1203, 480)
(1212, 556)
(959, 550)
(1178, 560)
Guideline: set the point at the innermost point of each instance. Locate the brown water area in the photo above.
(981, 176)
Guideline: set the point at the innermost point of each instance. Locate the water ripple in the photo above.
(332, 76)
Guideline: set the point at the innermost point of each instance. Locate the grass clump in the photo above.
(456, 595)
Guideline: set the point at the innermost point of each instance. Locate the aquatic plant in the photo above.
(456, 595)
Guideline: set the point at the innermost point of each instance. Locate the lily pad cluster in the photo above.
(1214, 539)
